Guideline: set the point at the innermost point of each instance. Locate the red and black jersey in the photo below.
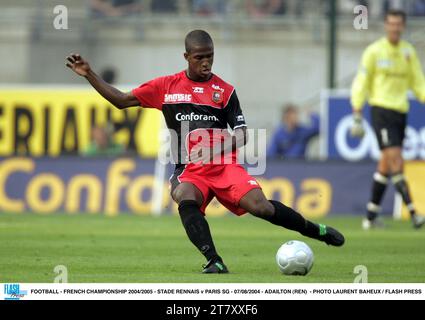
(189, 106)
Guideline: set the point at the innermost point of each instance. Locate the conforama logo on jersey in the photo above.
(178, 97)
(195, 117)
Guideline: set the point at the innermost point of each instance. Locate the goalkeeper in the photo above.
(389, 68)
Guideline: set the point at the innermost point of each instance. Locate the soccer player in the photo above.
(388, 69)
(200, 99)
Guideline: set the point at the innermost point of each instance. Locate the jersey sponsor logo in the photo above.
(195, 117)
(198, 89)
(178, 97)
(217, 97)
(384, 63)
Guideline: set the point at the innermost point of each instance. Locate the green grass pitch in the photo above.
(141, 249)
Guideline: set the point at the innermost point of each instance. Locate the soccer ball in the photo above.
(295, 258)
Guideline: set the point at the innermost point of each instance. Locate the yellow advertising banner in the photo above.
(415, 175)
(52, 122)
(125, 185)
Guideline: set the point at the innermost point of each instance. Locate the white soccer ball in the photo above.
(295, 258)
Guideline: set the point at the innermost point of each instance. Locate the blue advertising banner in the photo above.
(338, 144)
(317, 189)
(125, 185)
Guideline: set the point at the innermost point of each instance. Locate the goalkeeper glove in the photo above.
(357, 129)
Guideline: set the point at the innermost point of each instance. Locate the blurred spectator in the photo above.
(418, 8)
(291, 138)
(209, 7)
(299, 8)
(261, 8)
(164, 6)
(102, 144)
(115, 8)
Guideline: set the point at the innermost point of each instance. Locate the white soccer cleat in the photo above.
(418, 221)
(372, 224)
(366, 224)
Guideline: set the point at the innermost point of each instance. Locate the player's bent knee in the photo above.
(186, 192)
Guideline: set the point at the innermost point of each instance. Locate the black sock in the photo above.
(292, 220)
(197, 228)
(401, 186)
(379, 185)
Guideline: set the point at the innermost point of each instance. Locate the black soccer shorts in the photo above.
(389, 127)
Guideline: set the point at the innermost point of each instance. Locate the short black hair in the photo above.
(396, 13)
(289, 108)
(197, 38)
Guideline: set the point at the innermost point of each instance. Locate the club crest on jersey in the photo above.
(217, 97)
(406, 52)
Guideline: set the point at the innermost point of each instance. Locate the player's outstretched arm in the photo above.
(118, 98)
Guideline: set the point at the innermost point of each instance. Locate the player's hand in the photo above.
(78, 64)
(357, 129)
(201, 155)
